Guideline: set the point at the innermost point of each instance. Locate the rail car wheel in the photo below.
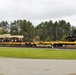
(57, 45)
(34, 45)
(28, 45)
(60, 45)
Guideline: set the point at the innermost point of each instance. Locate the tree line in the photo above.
(45, 31)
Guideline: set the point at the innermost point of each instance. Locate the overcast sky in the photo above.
(37, 11)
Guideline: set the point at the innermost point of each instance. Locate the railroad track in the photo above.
(64, 47)
(28, 47)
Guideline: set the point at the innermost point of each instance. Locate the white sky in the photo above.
(37, 11)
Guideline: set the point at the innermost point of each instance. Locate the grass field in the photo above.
(35, 53)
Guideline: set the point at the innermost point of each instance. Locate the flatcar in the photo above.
(17, 40)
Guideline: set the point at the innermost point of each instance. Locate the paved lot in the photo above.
(13, 66)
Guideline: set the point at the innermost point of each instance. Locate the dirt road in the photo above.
(13, 66)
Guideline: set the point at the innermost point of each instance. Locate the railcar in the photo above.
(17, 40)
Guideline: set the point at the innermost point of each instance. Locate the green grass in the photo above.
(35, 53)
